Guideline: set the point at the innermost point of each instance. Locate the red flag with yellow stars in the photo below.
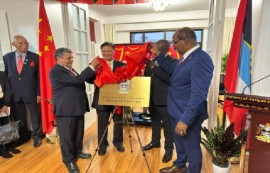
(46, 62)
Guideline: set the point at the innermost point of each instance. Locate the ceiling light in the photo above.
(160, 5)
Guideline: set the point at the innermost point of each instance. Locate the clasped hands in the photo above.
(181, 128)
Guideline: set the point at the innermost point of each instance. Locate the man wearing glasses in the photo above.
(190, 81)
(22, 69)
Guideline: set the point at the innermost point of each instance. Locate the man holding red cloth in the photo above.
(107, 68)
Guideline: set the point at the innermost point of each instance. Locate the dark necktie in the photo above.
(20, 64)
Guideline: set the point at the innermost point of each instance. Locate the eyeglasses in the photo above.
(175, 42)
(22, 43)
(68, 58)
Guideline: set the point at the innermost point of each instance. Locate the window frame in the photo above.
(164, 35)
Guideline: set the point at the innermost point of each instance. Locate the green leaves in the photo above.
(221, 143)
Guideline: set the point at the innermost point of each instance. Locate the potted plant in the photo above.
(221, 145)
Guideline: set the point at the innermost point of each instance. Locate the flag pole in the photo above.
(52, 139)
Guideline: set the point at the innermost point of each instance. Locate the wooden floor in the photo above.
(47, 158)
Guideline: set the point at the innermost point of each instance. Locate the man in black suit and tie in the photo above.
(70, 104)
(22, 69)
(158, 104)
(104, 111)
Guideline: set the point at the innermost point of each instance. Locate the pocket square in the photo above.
(32, 64)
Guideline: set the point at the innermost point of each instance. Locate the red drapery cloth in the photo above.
(135, 61)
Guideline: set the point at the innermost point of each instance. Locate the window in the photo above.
(81, 42)
(143, 37)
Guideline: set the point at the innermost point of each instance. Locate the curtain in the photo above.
(227, 36)
(109, 32)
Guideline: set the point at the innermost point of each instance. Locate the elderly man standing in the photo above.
(70, 104)
(22, 69)
(187, 98)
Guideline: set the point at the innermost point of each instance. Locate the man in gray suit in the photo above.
(22, 69)
(70, 104)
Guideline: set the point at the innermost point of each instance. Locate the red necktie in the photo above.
(20, 64)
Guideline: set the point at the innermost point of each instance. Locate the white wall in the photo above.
(23, 19)
(261, 51)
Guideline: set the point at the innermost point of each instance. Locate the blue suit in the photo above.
(187, 102)
(25, 89)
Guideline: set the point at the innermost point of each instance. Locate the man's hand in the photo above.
(4, 109)
(154, 49)
(151, 64)
(95, 63)
(38, 99)
(181, 128)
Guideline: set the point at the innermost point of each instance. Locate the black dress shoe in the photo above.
(167, 156)
(6, 154)
(120, 147)
(37, 142)
(102, 151)
(150, 146)
(72, 167)
(14, 150)
(83, 155)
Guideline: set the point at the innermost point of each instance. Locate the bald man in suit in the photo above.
(160, 81)
(187, 98)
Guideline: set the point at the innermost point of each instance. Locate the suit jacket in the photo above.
(26, 84)
(96, 93)
(69, 95)
(6, 89)
(189, 86)
(160, 81)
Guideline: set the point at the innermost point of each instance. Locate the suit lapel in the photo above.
(190, 56)
(13, 62)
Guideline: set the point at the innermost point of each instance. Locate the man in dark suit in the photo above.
(22, 69)
(187, 98)
(70, 104)
(104, 111)
(158, 103)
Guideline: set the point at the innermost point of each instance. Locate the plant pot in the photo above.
(218, 169)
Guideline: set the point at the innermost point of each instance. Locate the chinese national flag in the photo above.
(107, 2)
(46, 62)
(129, 1)
(119, 2)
